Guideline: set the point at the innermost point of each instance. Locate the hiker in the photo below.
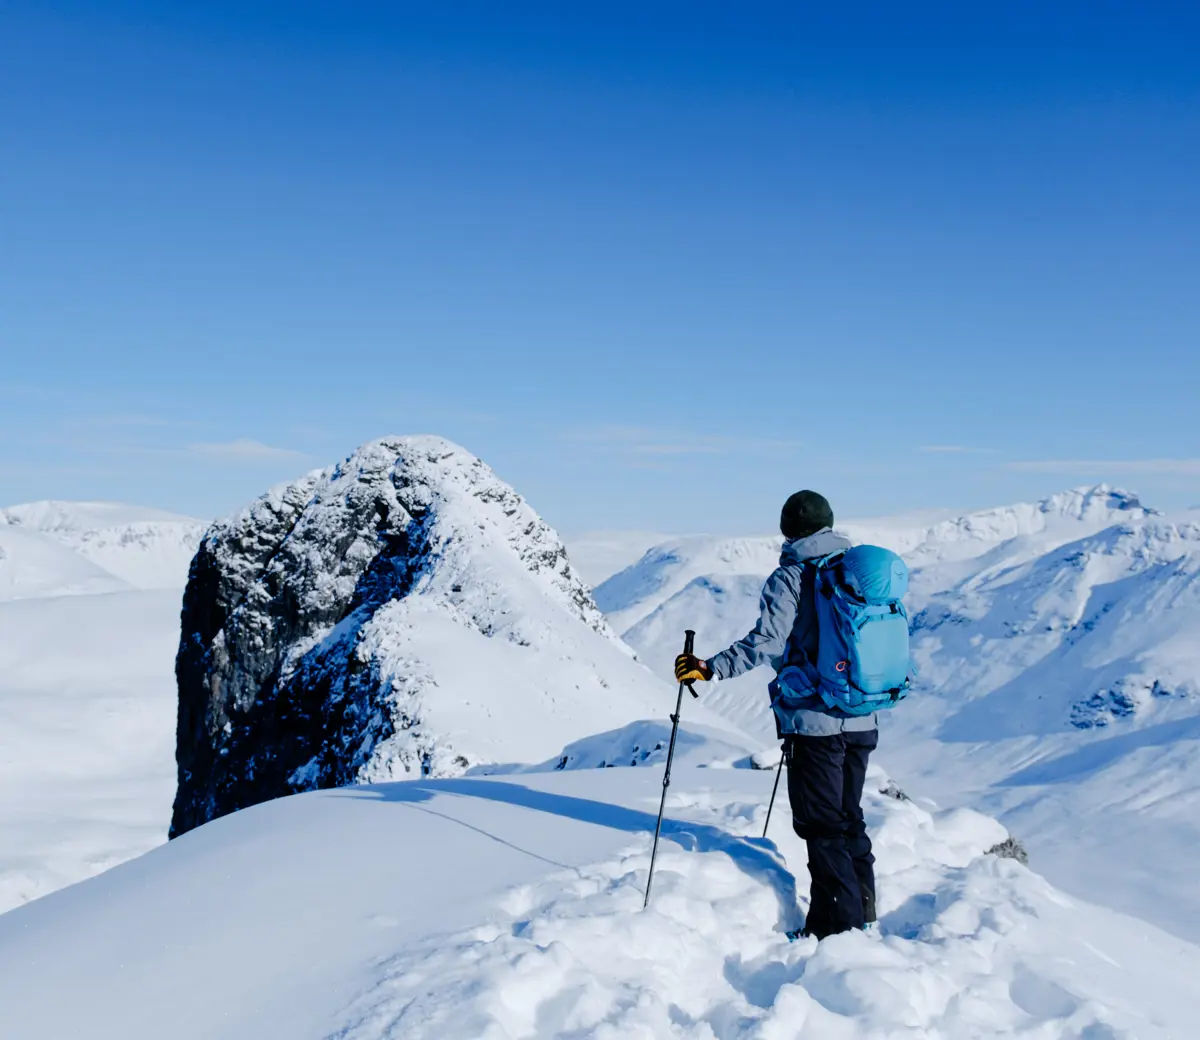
(825, 748)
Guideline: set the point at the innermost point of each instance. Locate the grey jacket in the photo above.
(786, 632)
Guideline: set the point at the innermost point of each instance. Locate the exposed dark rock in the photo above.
(297, 670)
(1010, 848)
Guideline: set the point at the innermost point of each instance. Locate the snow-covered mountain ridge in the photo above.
(1104, 627)
(140, 548)
(712, 584)
(665, 570)
(403, 613)
(1064, 514)
(33, 565)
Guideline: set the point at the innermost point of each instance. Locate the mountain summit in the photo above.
(403, 613)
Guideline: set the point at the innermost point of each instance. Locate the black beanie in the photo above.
(805, 513)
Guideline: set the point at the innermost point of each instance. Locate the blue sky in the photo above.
(659, 264)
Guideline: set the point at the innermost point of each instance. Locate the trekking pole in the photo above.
(688, 637)
(774, 790)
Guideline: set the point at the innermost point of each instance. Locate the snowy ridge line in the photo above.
(665, 570)
(35, 566)
(79, 518)
(1111, 612)
(142, 548)
(402, 613)
(1096, 506)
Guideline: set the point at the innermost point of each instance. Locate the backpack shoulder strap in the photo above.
(828, 558)
(822, 565)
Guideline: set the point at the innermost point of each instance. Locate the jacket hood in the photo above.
(822, 543)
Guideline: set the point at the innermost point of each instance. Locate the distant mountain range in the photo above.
(92, 546)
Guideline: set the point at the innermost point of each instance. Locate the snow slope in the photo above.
(1058, 676)
(33, 565)
(87, 688)
(942, 550)
(1067, 700)
(597, 555)
(87, 709)
(511, 907)
(145, 548)
(667, 570)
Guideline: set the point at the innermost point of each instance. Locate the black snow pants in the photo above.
(825, 785)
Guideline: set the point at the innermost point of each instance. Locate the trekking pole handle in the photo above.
(689, 639)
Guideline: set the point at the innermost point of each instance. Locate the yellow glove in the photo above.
(689, 668)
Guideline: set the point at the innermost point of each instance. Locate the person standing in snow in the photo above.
(827, 755)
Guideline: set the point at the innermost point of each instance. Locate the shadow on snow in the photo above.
(758, 858)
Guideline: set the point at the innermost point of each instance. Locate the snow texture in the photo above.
(488, 909)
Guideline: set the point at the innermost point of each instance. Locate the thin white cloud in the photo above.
(1163, 467)
(955, 449)
(243, 450)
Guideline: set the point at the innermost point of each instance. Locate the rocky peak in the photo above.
(362, 621)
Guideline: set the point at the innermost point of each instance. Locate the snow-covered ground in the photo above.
(87, 688)
(1057, 667)
(1059, 676)
(512, 907)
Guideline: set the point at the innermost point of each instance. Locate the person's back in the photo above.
(826, 750)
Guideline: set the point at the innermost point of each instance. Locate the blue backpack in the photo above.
(862, 662)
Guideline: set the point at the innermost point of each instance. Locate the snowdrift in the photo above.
(511, 907)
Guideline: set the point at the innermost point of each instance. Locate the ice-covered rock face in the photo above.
(404, 612)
